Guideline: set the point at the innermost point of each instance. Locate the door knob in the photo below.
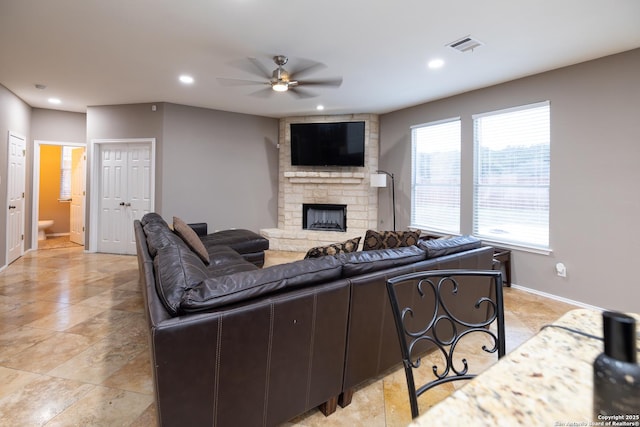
(121, 203)
(11, 207)
(127, 204)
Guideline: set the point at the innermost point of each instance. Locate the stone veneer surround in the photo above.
(327, 185)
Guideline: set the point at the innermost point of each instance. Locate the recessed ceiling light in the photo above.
(186, 79)
(320, 107)
(54, 101)
(435, 63)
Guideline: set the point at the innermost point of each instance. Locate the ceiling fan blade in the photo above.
(305, 67)
(252, 66)
(301, 93)
(264, 72)
(328, 82)
(239, 82)
(263, 93)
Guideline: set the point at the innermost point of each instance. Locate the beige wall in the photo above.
(59, 126)
(220, 168)
(595, 149)
(15, 116)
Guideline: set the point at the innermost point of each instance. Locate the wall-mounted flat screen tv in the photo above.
(327, 144)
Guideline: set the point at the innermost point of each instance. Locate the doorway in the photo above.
(59, 191)
(124, 181)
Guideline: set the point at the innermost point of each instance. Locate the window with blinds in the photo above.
(435, 187)
(511, 176)
(65, 173)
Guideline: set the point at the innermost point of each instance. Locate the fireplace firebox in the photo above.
(324, 217)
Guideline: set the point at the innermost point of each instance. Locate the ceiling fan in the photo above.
(281, 80)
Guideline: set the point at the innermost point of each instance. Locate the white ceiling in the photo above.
(103, 52)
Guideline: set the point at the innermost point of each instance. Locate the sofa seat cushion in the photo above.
(233, 288)
(374, 240)
(231, 269)
(224, 260)
(439, 247)
(357, 263)
(221, 256)
(347, 246)
(177, 269)
(241, 241)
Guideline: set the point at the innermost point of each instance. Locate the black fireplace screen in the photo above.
(324, 217)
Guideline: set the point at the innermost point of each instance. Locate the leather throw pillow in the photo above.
(389, 239)
(190, 237)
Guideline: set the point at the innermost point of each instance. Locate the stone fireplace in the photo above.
(307, 185)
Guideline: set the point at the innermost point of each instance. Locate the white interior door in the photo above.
(125, 194)
(139, 187)
(15, 197)
(76, 226)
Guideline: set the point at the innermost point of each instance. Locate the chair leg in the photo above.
(329, 407)
(411, 388)
(345, 397)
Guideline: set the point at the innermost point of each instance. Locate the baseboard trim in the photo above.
(557, 298)
(58, 234)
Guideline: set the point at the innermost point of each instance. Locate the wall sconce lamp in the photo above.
(379, 179)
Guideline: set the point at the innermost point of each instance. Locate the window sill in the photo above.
(514, 247)
(487, 242)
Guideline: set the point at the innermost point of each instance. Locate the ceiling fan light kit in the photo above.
(279, 86)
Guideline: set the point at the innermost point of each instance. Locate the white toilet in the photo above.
(43, 224)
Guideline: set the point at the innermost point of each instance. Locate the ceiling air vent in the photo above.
(465, 44)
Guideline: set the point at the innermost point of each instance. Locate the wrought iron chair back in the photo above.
(420, 321)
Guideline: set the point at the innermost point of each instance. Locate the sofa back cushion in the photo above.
(356, 263)
(177, 269)
(152, 217)
(219, 291)
(448, 246)
(160, 235)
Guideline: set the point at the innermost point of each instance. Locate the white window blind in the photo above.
(435, 191)
(511, 176)
(65, 174)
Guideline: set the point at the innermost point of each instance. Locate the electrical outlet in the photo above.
(561, 269)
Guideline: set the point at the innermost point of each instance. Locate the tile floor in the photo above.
(73, 346)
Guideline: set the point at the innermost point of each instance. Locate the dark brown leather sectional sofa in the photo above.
(236, 345)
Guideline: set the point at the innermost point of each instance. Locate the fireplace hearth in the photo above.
(324, 217)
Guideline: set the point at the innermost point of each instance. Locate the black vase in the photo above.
(616, 373)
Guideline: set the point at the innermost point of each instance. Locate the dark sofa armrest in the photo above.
(199, 227)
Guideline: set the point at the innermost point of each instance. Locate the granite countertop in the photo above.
(547, 381)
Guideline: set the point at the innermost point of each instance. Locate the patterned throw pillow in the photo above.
(389, 239)
(350, 245)
(191, 239)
